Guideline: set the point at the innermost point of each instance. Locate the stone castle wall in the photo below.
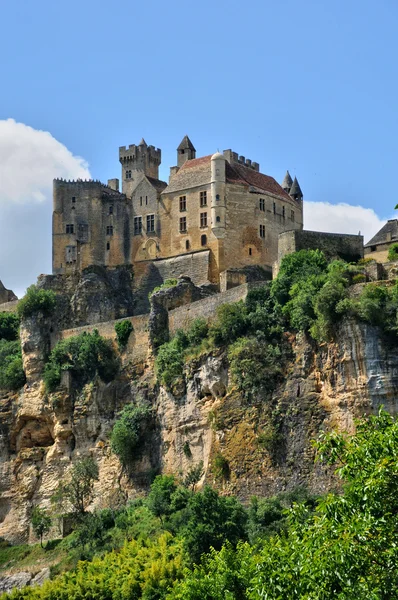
(9, 306)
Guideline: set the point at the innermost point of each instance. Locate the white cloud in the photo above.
(341, 218)
(29, 161)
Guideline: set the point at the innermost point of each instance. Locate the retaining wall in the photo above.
(9, 306)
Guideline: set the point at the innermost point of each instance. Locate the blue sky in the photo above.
(310, 86)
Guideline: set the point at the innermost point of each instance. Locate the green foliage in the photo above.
(294, 268)
(78, 491)
(169, 364)
(255, 365)
(41, 522)
(159, 500)
(187, 449)
(168, 283)
(128, 430)
(197, 332)
(229, 324)
(123, 330)
(12, 376)
(9, 326)
(359, 278)
(194, 475)
(85, 355)
(393, 252)
(36, 300)
(220, 466)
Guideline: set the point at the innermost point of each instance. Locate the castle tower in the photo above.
(218, 205)
(287, 182)
(185, 151)
(137, 161)
(295, 191)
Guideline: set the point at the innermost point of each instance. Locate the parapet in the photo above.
(233, 157)
(135, 153)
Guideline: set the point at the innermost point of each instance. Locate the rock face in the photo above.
(6, 295)
(23, 578)
(265, 444)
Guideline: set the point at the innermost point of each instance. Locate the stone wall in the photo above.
(6, 295)
(9, 306)
(345, 246)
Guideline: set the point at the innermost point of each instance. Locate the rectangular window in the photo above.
(183, 224)
(109, 230)
(140, 200)
(292, 215)
(137, 225)
(111, 210)
(70, 229)
(183, 203)
(70, 254)
(283, 211)
(203, 199)
(146, 200)
(262, 204)
(150, 223)
(274, 207)
(203, 219)
(262, 231)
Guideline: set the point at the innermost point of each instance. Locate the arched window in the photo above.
(187, 245)
(217, 196)
(203, 240)
(218, 219)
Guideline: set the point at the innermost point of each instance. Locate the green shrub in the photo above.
(220, 466)
(12, 376)
(359, 278)
(9, 326)
(85, 355)
(300, 308)
(255, 365)
(296, 267)
(197, 332)
(123, 330)
(128, 430)
(169, 364)
(168, 283)
(393, 252)
(36, 300)
(229, 324)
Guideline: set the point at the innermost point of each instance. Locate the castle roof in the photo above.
(287, 181)
(197, 172)
(157, 183)
(391, 227)
(295, 189)
(186, 144)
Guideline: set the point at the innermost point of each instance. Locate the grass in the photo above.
(33, 558)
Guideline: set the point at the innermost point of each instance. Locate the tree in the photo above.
(127, 432)
(159, 498)
(78, 491)
(41, 522)
(194, 475)
(36, 300)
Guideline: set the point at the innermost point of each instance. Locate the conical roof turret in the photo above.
(186, 144)
(287, 182)
(295, 190)
(143, 142)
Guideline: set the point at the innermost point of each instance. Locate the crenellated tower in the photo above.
(218, 206)
(137, 161)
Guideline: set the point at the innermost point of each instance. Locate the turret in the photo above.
(185, 151)
(138, 160)
(218, 201)
(287, 182)
(295, 191)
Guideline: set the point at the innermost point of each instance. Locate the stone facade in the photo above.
(220, 204)
(378, 247)
(6, 295)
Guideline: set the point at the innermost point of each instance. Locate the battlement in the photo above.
(85, 183)
(137, 154)
(233, 157)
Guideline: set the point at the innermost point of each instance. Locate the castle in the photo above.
(216, 213)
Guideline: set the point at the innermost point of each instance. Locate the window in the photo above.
(140, 200)
(262, 231)
(146, 200)
(111, 210)
(128, 174)
(274, 208)
(73, 199)
(218, 219)
(150, 223)
(186, 244)
(70, 229)
(109, 230)
(70, 254)
(262, 204)
(108, 246)
(137, 225)
(283, 211)
(73, 207)
(183, 203)
(203, 219)
(217, 196)
(203, 199)
(183, 224)
(250, 251)
(373, 248)
(292, 215)
(203, 240)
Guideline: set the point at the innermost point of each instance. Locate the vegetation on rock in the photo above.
(127, 432)
(36, 300)
(123, 330)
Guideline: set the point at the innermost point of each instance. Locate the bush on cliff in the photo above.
(168, 283)
(393, 252)
(123, 330)
(9, 326)
(85, 355)
(127, 432)
(36, 300)
(12, 376)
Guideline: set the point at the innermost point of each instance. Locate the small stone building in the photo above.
(219, 205)
(379, 245)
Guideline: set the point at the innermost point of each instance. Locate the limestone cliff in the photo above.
(265, 445)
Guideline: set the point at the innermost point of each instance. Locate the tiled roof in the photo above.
(157, 183)
(381, 236)
(197, 172)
